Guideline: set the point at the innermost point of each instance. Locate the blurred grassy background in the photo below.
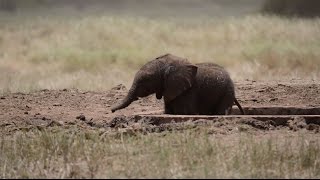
(73, 44)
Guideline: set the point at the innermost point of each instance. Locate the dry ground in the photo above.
(87, 109)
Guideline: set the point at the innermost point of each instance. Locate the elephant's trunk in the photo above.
(127, 101)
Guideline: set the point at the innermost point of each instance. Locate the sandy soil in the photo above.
(86, 109)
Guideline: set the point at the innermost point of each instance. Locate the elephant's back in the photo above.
(212, 77)
(213, 82)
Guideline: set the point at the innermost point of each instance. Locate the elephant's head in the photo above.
(167, 76)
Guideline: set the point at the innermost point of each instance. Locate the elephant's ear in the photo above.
(177, 79)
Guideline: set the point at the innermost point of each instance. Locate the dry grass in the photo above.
(192, 154)
(44, 53)
(98, 52)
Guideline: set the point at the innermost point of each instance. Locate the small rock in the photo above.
(2, 97)
(57, 104)
(26, 112)
(81, 117)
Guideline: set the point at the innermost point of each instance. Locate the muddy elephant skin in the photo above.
(204, 88)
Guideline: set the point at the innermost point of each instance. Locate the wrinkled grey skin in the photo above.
(204, 88)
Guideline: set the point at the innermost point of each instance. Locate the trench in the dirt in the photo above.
(256, 118)
(278, 110)
(278, 115)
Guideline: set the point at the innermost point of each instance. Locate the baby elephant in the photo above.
(190, 89)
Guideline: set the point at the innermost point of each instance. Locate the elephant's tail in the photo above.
(239, 106)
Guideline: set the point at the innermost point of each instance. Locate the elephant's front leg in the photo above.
(182, 105)
(168, 108)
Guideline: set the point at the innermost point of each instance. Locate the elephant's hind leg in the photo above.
(224, 106)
